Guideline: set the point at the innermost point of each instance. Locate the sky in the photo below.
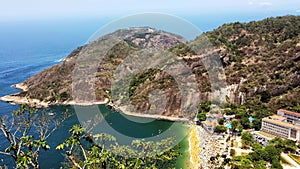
(55, 18)
(18, 10)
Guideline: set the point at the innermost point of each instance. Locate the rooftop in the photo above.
(289, 112)
(276, 120)
(267, 135)
(277, 117)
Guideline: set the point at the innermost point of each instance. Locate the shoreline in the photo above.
(40, 104)
(20, 86)
(157, 117)
(22, 100)
(194, 149)
(13, 99)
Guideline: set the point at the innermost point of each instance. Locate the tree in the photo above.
(285, 145)
(221, 121)
(229, 111)
(256, 146)
(220, 129)
(201, 116)
(290, 145)
(245, 163)
(26, 133)
(239, 127)
(234, 124)
(276, 165)
(241, 162)
(204, 107)
(245, 122)
(256, 124)
(93, 154)
(273, 153)
(247, 138)
(261, 164)
(259, 154)
(265, 96)
(232, 152)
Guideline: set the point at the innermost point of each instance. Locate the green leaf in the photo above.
(60, 147)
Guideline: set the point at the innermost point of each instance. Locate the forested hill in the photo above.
(261, 61)
(267, 55)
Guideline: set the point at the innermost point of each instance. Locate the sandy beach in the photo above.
(41, 104)
(23, 100)
(152, 116)
(194, 149)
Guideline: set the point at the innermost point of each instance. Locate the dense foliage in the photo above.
(93, 151)
(26, 133)
(262, 155)
(263, 58)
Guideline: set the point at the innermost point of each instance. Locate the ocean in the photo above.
(29, 47)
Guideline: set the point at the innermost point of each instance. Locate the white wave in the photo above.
(59, 60)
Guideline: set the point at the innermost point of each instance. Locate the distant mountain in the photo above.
(261, 61)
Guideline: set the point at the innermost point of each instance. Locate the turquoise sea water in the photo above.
(119, 123)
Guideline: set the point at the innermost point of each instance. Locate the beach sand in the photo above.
(194, 149)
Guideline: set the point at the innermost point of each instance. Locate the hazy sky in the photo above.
(15, 10)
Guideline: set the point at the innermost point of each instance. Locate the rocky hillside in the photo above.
(54, 85)
(261, 62)
(263, 58)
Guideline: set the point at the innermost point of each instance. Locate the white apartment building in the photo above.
(283, 125)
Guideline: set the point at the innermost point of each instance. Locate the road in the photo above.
(289, 160)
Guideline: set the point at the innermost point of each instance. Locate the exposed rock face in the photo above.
(54, 85)
(260, 59)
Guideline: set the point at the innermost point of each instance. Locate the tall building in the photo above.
(286, 124)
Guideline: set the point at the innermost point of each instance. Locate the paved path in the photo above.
(285, 166)
(289, 160)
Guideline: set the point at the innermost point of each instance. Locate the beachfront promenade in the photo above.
(203, 146)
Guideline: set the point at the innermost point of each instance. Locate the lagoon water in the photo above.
(118, 123)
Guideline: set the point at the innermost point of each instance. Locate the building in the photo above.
(210, 125)
(284, 125)
(291, 117)
(229, 117)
